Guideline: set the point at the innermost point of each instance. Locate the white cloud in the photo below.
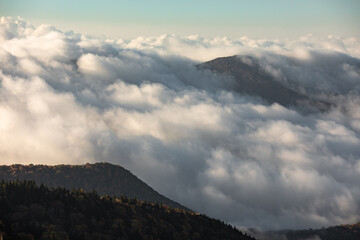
(69, 98)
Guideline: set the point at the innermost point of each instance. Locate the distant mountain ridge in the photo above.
(251, 79)
(341, 232)
(105, 178)
(346, 231)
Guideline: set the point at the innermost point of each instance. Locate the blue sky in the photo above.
(233, 18)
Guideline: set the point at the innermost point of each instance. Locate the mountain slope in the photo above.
(105, 178)
(31, 212)
(348, 232)
(252, 80)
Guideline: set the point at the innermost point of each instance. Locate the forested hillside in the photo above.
(346, 231)
(28, 211)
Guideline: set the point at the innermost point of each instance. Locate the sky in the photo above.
(207, 18)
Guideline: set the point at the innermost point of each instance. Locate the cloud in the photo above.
(70, 98)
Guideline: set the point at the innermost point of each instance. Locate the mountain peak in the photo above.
(246, 76)
(105, 178)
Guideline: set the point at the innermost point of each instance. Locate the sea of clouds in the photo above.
(67, 98)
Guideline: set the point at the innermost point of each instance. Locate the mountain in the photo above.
(28, 211)
(346, 231)
(105, 178)
(251, 79)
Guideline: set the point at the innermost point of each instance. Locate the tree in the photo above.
(54, 232)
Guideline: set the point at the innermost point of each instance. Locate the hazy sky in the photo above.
(233, 18)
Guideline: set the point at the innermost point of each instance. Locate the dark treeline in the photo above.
(346, 231)
(29, 211)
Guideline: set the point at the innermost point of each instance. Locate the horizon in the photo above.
(231, 18)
